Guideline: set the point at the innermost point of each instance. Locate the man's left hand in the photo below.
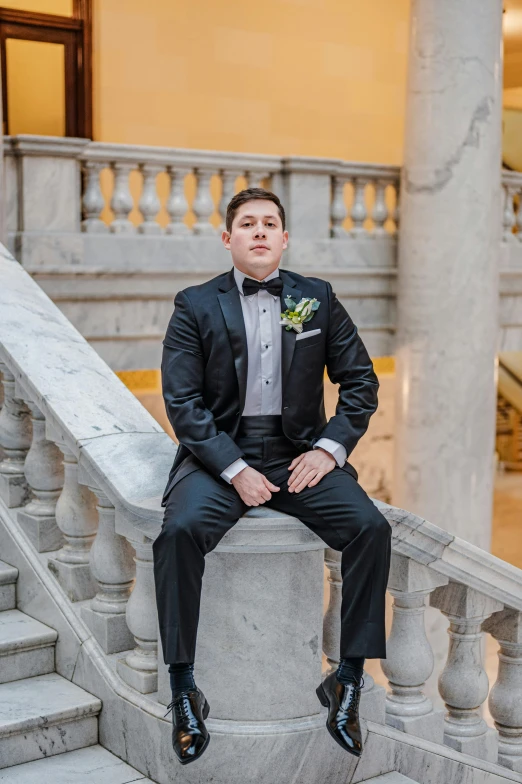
(309, 468)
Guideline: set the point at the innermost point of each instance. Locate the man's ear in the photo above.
(285, 239)
(225, 239)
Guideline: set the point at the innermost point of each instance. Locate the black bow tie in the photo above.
(273, 286)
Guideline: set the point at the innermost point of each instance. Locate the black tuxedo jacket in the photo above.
(204, 374)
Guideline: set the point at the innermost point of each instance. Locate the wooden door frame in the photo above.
(75, 33)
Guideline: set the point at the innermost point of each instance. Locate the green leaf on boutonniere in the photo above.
(297, 315)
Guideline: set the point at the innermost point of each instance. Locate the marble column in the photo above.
(448, 267)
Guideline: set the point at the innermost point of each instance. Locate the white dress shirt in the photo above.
(262, 314)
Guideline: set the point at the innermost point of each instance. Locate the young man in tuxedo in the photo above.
(233, 380)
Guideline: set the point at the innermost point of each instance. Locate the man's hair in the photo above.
(250, 194)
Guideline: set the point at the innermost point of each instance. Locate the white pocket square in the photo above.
(307, 334)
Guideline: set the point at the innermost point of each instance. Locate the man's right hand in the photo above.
(253, 486)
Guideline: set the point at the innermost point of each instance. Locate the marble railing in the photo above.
(131, 189)
(82, 472)
(124, 227)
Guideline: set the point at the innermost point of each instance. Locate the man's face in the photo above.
(257, 239)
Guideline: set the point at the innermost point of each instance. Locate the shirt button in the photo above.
(264, 310)
(266, 346)
(267, 382)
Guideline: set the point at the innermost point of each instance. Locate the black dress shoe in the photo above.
(342, 701)
(190, 737)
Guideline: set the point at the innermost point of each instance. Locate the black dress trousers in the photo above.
(200, 509)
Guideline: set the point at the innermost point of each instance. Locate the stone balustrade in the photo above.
(101, 506)
(323, 197)
(125, 227)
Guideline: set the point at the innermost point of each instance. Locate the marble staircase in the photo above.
(48, 725)
(82, 468)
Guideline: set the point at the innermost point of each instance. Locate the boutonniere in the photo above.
(298, 314)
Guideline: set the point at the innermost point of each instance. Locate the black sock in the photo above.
(350, 669)
(181, 677)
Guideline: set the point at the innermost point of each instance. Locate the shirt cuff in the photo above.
(335, 448)
(234, 468)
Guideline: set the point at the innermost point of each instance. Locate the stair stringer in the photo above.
(132, 726)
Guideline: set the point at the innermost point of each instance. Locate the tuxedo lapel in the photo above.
(233, 315)
(230, 305)
(287, 336)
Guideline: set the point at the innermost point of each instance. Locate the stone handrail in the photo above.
(60, 398)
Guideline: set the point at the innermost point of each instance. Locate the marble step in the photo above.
(93, 765)
(44, 716)
(386, 778)
(8, 578)
(26, 646)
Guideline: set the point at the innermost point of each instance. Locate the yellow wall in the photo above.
(60, 7)
(310, 77)
(35, 87)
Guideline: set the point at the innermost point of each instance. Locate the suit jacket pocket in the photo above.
(308, 343)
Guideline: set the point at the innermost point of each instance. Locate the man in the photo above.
(233, 379)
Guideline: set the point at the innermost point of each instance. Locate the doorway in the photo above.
(47, 71)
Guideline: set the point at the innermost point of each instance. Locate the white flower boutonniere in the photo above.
(298, 314)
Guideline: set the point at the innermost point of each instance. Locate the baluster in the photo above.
(505, 698)
(228, 182)
(463, 683)
(92, 201)
(359, 212)
(372, 696)
(380, 210)
(338, 211)
(15, 440)
(140, 667)
(203, 205)
(121, 202)
(44, 473)
(77, 520)
(256, 178)
(509, 219)
(149, 203)
(177, 205)
(112, 565)
(518, 220)
(409, 659)
(396, 214)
